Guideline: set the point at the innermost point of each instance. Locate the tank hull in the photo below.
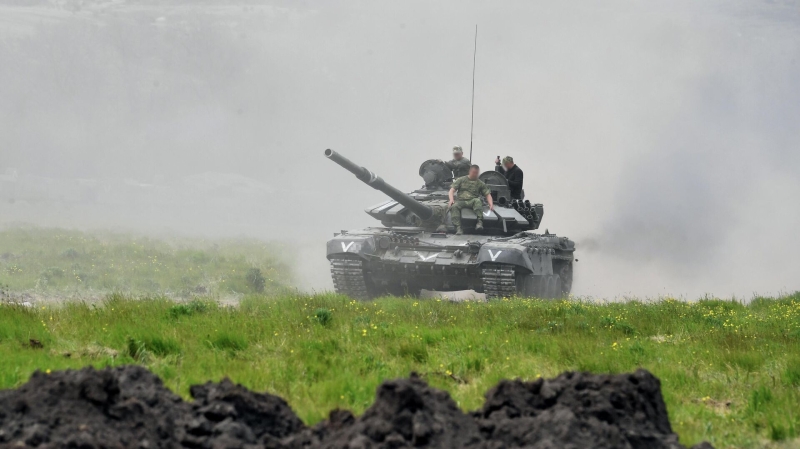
(376, 261)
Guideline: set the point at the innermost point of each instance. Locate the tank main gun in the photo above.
(376, 182)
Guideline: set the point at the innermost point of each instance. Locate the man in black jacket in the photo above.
(512, 173)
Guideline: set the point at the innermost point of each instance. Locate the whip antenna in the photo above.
(472, 118)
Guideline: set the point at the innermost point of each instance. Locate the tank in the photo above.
(415, 247)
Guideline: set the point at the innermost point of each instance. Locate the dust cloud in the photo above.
(663, 138)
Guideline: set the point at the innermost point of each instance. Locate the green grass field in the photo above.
(730, 372)
(63, 263)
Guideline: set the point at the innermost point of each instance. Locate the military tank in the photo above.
(415, 247)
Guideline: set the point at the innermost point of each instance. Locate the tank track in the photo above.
(349, 277)
(499, 281)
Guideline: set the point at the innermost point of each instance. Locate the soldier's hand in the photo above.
(450, 203)
(497, 161)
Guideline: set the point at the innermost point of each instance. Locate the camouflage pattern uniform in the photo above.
(459, 167)
(470, 194)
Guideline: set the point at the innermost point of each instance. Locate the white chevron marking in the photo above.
(425, 259)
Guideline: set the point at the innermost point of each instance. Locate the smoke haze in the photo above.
(663, 137)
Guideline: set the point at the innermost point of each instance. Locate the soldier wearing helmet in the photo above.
(459, 165)
(513, 174)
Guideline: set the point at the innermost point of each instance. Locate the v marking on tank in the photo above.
(425, 259)
(346, 247)
(493, 255)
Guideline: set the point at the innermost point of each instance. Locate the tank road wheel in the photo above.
(565, 273)
(532, 287)
(555, 285)
(546, 289)
(399, 291)
(350, 278)
(543, 287)
(527, 286)
(414, 292)
(499, 281)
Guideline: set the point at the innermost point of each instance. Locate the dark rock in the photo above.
(264, 414)
(113, 407)
(129, 407)
(579, 410)
(406, 413)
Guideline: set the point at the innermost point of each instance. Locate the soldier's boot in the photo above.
(479, 226)
(441, 228)
(459, 231)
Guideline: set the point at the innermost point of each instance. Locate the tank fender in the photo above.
(542, 263)
(505, 255)
(537, 263)
(345, 244)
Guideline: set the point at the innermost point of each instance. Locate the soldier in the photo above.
(459, 165)
(512, 173)
(470, 190)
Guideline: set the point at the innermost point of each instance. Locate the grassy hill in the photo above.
(56, 262)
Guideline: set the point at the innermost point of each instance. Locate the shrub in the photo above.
(70, 253)
(323, 316)
(474, 365)
(749, 362)
(52, 273)
(141, 348)
(228, 342)
(759, 398)
(414, 351)
(255, 280)
(637, 351)
(555, 326)
(777, 432)
(791, 375)
(188, 309)
(613, 323)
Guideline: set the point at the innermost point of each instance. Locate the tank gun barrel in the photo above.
(376, 182)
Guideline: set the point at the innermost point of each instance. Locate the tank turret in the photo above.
(428, 207)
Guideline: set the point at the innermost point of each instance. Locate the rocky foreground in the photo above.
(129, 407)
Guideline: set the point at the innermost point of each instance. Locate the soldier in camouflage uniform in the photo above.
(470, 189)
(459, 165)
